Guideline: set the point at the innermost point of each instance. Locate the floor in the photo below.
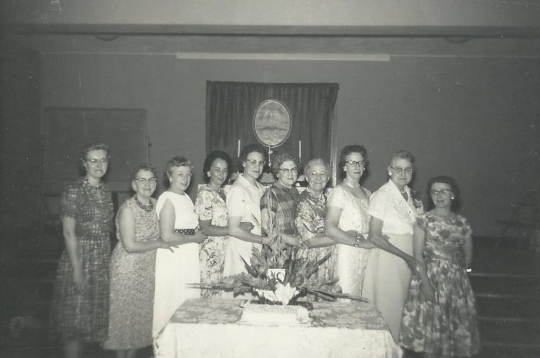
(506, 281)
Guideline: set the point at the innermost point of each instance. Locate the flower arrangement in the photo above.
(279, 274)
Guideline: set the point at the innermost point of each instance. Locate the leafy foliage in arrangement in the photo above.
(299, 271)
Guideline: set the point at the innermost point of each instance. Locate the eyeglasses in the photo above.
(442, 191)
(289, 171)
(152, 180)
(255, 162)
(95, 161)
(399, 170)
(357, 163)
(319, 174)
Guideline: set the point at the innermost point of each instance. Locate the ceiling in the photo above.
(314, 47)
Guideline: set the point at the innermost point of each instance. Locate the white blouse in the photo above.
(397, 214)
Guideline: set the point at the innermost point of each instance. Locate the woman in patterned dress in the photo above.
(347, 220)
(211, 208)
(310, 214)
(80, 307)
(439, 317)
(132, 267)
(176, 267)
(279, 200)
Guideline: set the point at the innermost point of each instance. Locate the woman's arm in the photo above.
(72, 249)
(167, 218)
(126, 225)
(331, 229)
(236, 230)
(376, 237)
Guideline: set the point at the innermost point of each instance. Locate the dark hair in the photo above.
(279, 159)
(94, 146)
(348, 149)
(250, 148)
(216, 154)
(137, 169)
(402, 154)
(445, 180)
(177, 162)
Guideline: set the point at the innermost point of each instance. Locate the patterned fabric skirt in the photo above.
(211, 255)
(448, 326)
(83, 316)
(131, 299)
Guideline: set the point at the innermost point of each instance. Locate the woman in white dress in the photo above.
(243, 205)
(347, 220)
(179, 226)
(393, 212)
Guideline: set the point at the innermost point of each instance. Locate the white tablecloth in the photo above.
(209, 328)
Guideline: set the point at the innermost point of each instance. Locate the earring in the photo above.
(389, 174)
(452, 198)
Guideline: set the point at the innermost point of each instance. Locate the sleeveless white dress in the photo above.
(351, 261)
(177, 268)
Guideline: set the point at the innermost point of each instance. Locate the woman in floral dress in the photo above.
(80, 307)
(211, 207)
(132, 267)
(310, 214)
(439, 317)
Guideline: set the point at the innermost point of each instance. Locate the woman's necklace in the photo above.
(147, 208)
(354, 185)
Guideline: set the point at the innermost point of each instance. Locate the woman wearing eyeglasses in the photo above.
(440, 317)
(80, 307)
(278, 204)
(132, 267)
(347, 220)
(243, 206)
(393, 213)
(178, 266)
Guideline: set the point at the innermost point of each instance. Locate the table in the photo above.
(209, 328)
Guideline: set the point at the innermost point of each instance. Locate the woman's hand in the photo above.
(80, 281)
(428, 292)
(244, 225)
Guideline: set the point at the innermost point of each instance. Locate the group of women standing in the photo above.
(379, 241)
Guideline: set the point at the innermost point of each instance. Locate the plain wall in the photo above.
(471, 118)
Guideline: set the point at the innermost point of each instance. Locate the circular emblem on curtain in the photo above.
(272, 123)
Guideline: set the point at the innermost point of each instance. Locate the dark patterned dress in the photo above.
(132, 284)
(211, 205)
(282, 202)
(83, 316)
(449, 326)
(310, 214)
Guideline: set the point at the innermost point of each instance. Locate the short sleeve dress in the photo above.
(178, 267)
(83, 316)
(132, 284)
(351, 261)
(211, 205)
(243, 199)
(449, 326)
(310, 214)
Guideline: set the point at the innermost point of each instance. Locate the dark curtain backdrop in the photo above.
(230, 107)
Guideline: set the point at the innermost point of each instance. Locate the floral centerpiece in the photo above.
(279, 274)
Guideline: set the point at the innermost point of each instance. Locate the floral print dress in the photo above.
(211, 205)
(449, 326)
(310, 214)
